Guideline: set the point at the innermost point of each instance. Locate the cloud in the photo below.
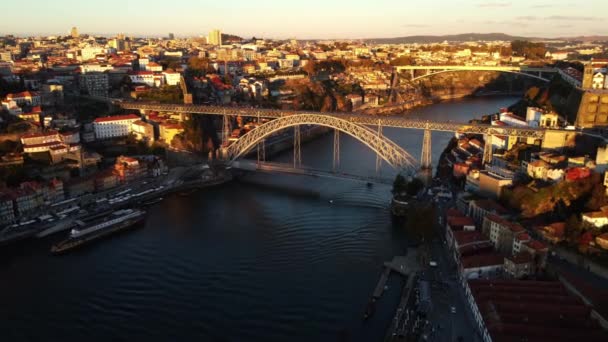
(527, 17)
(415, 25)
(559, 18)
(572, 18)
(494, 4)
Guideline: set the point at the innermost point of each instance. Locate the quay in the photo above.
(406, 266)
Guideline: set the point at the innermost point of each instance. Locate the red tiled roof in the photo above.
(39, 134)
(521, 258)
(118, 118)
(536, 245)
(517, 310)
(482, 260)
(460, 221)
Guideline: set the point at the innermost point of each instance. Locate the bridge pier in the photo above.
(297, 152)
(226, 127)
(488, 149)
(426, 162)
(262, 151)
(378, 159)
(336, 163)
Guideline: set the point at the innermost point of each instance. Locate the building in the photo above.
(143, 130)
(7, 210)
(479, 209)
(26, 98)
(554, 232)
(172, 78)
(596, 218)
(167, 131)
(538, 251)
(519, 265)
(106, 180)
(526, 310)
(114, 126)
(502, 233)
(128, 169)
(486, 265)
(215, 37)
(95, 84)
(74, 32)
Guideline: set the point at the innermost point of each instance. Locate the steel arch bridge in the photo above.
(506, 71)
(439, 69)
(390, 152)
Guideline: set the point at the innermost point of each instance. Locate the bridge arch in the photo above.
(458, 70)
(390, 152)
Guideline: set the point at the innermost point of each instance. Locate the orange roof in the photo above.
(118, 118)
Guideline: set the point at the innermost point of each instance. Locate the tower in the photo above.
(588, 75)
(215, 37)
(74, 32)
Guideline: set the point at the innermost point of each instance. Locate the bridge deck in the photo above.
(368, 120)
(252, 165)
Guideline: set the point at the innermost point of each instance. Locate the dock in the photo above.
(381, 283)
(405, 266)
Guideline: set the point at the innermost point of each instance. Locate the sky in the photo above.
(306, 19)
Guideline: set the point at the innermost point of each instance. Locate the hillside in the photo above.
(450, 38)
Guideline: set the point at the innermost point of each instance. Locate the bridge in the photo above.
(267, 167)
(365, 128)
(360, 119)
(430, 70)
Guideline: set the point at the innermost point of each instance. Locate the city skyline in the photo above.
(315, 20)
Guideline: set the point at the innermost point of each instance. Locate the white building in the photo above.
(172, 77)
(114, 126)
(147, 77)
(90, 52)
(94, 67)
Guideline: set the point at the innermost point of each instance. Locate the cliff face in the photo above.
(557, 95)
(465, 83)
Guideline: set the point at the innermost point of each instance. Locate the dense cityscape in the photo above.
(418, 188)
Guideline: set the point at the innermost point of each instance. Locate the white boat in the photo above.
(115, 218)
(60, 226)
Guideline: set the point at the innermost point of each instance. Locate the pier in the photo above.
(406, 266)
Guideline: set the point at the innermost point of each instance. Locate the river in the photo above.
(267, 259)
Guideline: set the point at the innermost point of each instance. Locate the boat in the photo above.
(152, 202)
(61, 225)
(331, 201)
(370, 309)
(104, 226)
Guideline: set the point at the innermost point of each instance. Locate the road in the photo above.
(446, 289)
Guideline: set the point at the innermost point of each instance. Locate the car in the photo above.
(453, 309)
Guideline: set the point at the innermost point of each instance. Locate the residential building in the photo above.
(172, 78)
(501, 232)
(7, 210)
(554, 232)
(143, 130)
(519, 265)
(167, 131)
(114, 126)
(539, 252)
(479, 209)
(95, 84)
(215, 37)
(26, 98)
(128, 169)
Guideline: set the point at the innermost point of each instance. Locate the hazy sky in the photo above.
(306, 18)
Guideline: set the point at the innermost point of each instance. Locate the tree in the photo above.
(403, 60)
(414, 187)
(399, 185)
